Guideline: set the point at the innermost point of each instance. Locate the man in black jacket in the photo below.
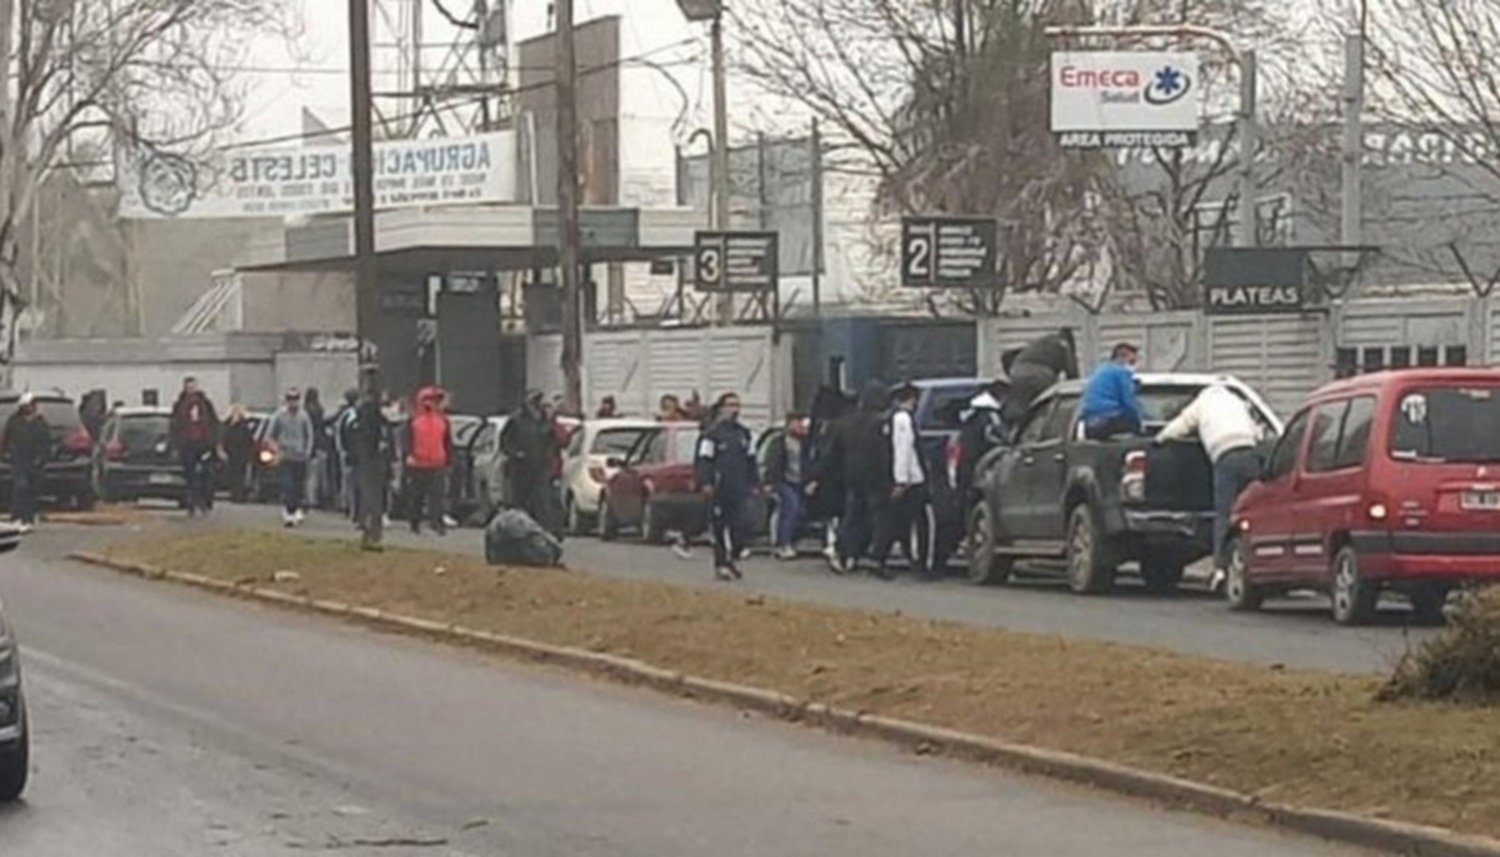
(864, 457)
(27, 442)
(726, 475)
(529, 445)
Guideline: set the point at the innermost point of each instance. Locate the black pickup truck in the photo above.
(1097, 505)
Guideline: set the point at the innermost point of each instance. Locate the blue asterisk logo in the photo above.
(1168, 80)
(1167, 86)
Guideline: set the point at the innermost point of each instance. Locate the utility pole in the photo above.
(817, 219)
(725, 315)
(1351, 213)
(366, 296)
(567, 205)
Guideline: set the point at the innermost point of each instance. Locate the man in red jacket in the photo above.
(429, 449)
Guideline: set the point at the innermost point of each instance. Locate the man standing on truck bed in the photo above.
(1229, 434)
(1110, 406)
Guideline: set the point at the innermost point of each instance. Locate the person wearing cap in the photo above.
(27, 442)
(292, 434)
(981, 429)
(906, 504)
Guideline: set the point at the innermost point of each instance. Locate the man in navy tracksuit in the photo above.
(726, 473)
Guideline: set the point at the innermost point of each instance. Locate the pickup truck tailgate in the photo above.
(1179, 477)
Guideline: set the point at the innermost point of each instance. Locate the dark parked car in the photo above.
(68, 478)
(937, 416)
(1097, 505)
(652, 490)
(135, 458)
(15, 733)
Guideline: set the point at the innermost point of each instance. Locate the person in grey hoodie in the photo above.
(292, 432)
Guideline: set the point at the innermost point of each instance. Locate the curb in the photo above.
(1365, 832)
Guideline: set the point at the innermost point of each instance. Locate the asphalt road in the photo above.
(175, 723)
(1295, 632)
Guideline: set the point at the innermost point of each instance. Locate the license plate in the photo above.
(1481, 501)
(162, 479)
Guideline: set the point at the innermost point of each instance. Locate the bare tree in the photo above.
(946, 104)
(1434, 88)
(153, 75)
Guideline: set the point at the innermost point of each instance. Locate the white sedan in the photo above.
(586, 465)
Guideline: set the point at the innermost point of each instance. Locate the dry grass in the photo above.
(1292, 736)
(1462, 663)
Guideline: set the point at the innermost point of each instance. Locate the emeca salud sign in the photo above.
(1112, 99)
(318, 179)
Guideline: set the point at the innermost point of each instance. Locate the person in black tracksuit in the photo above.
(863, 456)
(726, 473)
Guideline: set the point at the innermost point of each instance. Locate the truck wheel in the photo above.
(1242, 595)
(15, 764)
(985, 566)
(1427, 603)
(608, 528)
(1091, 570)
(1161, 576)
(1354, 597)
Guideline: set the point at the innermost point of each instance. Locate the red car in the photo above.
(1382, 482)
(652, 492)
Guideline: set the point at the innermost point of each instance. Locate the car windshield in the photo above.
(612, 442)
(1441, 424)
(144, 432)
(61, 415)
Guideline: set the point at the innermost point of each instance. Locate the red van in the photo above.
(1385, 481)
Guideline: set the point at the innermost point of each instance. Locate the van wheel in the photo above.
(15, 764)
(1161, 576)
(1242, 595)
(609, 530)
(1091, 570)
(1427, 603)
(1354, 597)
(985, 566)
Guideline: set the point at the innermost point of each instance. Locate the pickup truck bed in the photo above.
(1096, 505)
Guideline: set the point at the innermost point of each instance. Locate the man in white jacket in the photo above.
(1222, 421)
(906, 508)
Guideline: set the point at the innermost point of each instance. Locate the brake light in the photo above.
(953, 453)
(1133, 483)
(79, 441)
(596, 473)
(114, 450)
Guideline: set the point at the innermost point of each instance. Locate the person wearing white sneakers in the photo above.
(292, 435)
(786, 463)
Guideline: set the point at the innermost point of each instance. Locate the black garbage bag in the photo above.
(515, 538)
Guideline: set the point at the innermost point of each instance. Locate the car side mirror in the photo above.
(614, 461)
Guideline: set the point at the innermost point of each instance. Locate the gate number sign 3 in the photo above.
(711, 265)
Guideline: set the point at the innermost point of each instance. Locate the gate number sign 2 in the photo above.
(949, 252)
(736, 261)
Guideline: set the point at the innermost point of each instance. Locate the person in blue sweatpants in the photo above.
(726, 474)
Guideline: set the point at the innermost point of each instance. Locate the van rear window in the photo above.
(1447, 424)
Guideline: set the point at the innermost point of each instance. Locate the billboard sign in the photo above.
(1111, 99)
(298, 180)
(949, 252)
(1254, 280)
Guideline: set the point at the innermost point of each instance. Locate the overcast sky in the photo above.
(278, 95)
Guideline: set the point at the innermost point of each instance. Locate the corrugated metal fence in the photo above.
(1285, 356)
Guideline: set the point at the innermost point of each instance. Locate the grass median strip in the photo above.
(1290, 736)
